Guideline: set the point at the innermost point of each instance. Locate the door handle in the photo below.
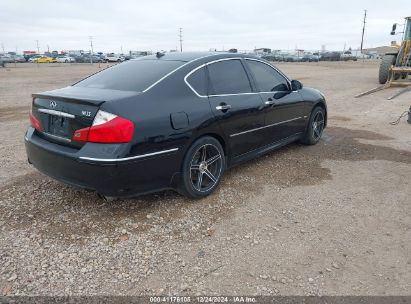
(224, 107)
(269, 102)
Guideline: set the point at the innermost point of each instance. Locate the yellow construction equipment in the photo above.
(395, 67)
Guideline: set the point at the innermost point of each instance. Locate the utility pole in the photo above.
(180, 35)
(2, 47)
(91, 49)
(38, 52)
(363, 30)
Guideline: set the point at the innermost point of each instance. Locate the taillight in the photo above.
(35, 123)
(106, 128)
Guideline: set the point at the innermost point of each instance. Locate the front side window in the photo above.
(133, 75)
(267, 79)
(228, 77)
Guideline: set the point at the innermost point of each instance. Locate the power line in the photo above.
(363, 29)
(180, 35)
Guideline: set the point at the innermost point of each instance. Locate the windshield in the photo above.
(131, 75)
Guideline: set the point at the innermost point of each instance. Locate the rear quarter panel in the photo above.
(151, 113)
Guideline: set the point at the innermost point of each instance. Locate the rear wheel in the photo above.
(203, 167)
(385, 66)
(315, 127)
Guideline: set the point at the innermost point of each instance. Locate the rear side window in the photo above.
(198, 81)
(228, 77)
(133, 75)
(267, 79)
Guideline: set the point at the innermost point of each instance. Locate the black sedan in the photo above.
(169, 121)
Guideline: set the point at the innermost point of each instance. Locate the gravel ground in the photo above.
(330, 219)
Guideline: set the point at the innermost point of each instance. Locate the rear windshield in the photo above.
(134, 75)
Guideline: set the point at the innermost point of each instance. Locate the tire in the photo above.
(203, 167)
(315, 127)
(386, 63)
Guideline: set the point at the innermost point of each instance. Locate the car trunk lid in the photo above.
(61, 112)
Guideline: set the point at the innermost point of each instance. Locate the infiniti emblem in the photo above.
(53, 104)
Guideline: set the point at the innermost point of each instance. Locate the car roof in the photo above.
(190, 56)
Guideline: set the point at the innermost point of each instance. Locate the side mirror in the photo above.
(394, 28)
(296, 85)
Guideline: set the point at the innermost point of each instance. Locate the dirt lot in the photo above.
(330, 219)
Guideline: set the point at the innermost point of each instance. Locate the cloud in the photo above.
(153, 25)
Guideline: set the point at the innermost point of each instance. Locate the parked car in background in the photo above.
(65, 59)
(19, 58)
(44, 59)
(169, 121)
(114, 58)
(270, 57)
(85, 58)
(347, 55)
(363, 56)
(6, 58)
(96, 58)
(31, 58)
(310, 58)
(288, 57)
(330, 56)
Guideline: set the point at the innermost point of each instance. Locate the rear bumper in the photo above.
(107, 177)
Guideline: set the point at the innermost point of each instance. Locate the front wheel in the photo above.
(385, 67)
(203, 167)
(315, 127)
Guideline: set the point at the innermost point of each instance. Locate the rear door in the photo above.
(240, 110)
(283, 107)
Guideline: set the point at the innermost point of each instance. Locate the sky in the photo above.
(213, 24)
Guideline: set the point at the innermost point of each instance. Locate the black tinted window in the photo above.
(197, 80)
(228, 77)
(134, 75)
(267, 79)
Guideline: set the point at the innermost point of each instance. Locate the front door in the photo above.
(284, 108)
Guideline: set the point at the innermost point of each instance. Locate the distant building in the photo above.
(380, 50)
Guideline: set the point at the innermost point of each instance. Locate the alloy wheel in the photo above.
(205, 168)
(318, 125)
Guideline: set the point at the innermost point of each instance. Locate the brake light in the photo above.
(35, 123)
(106, 128)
